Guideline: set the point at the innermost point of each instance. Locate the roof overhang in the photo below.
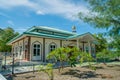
(15, 39)
(25, 34)
(84, 38)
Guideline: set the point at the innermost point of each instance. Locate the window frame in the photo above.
(36, 48)
(53, 48)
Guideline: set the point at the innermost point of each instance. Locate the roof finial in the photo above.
(74, 29)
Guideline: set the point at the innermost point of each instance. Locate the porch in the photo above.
(85, 42)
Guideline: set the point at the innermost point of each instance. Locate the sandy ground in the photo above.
(103, 72)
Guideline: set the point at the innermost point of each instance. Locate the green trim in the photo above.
(30, 29)
(44, 35)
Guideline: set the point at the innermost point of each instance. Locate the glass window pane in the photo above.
(34, 45)
(52, 47)
(34, 52)
(38, 52)
(38, 46)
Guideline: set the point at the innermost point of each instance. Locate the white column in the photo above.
(89, 46)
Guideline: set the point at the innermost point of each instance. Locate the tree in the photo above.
(102, 42)
(84, 56)
(5, 36)
(115, 46)
(58, 55)
(104, 14)
(104, 54)
(66, 54)
(72, 55)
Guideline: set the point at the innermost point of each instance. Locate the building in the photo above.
(37, 42)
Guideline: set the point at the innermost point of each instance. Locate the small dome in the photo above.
(73, 28)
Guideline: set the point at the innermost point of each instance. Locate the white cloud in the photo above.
(14, 3)
(10, 23)
(63, 8)
(39, 12)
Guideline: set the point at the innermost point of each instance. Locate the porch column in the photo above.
(89, 44)
(83, 47)
(78, 43)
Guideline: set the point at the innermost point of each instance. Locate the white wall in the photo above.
(47, 45)
(18, 44)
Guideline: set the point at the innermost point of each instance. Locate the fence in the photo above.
(19, 66)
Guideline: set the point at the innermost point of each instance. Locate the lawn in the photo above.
(111, 71)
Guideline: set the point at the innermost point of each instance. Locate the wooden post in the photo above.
(43, 49)
(28, 52)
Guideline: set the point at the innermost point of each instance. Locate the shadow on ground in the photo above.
(83, 74)
(28, 77)
(86, 74)
(96, 67)
(113, 66)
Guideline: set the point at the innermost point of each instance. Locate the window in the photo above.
(36, 50)
(52, 46)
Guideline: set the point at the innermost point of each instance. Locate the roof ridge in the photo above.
(55, 29)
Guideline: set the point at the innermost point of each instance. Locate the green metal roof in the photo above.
(79, 35)
(50, 29)
(44, 35)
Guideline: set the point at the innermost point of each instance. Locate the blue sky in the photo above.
(61, 14)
